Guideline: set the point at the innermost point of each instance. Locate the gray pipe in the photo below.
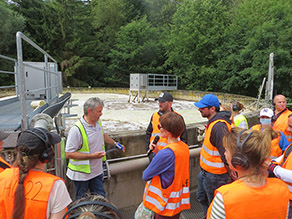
(128, 164)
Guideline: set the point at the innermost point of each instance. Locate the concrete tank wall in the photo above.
(191, 95)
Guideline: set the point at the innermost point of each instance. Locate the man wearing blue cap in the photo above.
(214, 167)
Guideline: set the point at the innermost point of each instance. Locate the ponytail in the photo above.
(24, 163)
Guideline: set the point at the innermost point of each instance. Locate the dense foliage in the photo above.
(211, 45)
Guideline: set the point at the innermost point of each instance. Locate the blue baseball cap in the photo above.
(208, 100)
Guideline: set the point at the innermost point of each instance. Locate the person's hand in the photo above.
(155, 148)
(233, 175)
(98, 155)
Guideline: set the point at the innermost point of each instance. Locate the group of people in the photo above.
(234, 163)
(27, 191)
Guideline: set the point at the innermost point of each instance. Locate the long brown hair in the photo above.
(25, 163)
(257, 148)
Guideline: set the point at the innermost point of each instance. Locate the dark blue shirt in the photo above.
(163, 165)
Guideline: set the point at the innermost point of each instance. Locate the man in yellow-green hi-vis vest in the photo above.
(85, 150)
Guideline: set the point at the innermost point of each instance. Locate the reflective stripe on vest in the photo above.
(38, 186)
(156, 132)
(83, 165)
(210, 159)
(240, 119)
(281, 124)
(176, 197)
(242, 201)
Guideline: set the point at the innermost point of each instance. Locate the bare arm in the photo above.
(110, 141)
(82, 156)
(58, 215)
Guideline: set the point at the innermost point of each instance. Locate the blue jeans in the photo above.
(94, 185)
(207, 184)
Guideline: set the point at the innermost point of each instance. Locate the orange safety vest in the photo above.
(210, 159)
(281, 124)
(175, 198)
(276, 151)
(242, 201)
(37, 185)
(156, 132)
(3, 164)
(287, 164)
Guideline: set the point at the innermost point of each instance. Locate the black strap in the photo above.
(3, 165)
(286, 154)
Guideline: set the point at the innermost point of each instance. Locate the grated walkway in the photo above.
(194, 213)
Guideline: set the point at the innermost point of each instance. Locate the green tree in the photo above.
(63, 28)
(191, 46)
(108, 16)
(10, 23)
(257, 29)
(137, 51)
(160, 12)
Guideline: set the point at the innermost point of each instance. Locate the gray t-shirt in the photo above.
(95, 142)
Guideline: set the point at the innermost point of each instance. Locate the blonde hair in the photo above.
(256, 149)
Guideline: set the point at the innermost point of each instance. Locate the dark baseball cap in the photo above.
(208, 100)
(36, 139)
(165, 96)
(3, 135)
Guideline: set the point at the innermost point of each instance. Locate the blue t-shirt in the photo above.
(163, 165)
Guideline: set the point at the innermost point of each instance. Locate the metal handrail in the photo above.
(21, 74)
(8, 72)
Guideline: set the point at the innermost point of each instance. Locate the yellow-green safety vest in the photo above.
(239, 119)
(83, 165)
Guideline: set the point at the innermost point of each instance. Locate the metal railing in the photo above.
(21, 80)
(8, 72)
(162, 82)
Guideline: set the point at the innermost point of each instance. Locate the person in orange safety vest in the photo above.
(278, 144)
(165, 101)
(167, 189)
(26, 191)
(3, 163)
(281, 116)
(252, 195)
(214, 167)
(281, 167)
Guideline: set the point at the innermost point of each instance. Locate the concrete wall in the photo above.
(191, 95)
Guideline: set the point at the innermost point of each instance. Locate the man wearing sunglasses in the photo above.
(165, 101)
